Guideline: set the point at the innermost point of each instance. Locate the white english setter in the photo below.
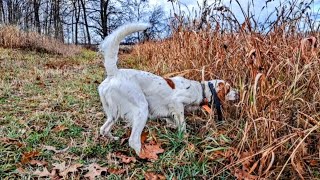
(136, 95)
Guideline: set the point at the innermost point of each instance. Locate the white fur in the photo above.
(132, 94)
(136, 95)
(189, 92)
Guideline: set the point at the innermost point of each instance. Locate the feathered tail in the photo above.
(110, 45)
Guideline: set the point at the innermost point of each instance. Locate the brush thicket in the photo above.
(13, 37)
(274, 127)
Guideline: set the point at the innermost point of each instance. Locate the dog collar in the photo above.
(215, 100)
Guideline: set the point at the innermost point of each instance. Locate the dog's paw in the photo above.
(115, 138)
(170, 123)
(102, 131)
(171, 126)
(136, 146)
(108, 135)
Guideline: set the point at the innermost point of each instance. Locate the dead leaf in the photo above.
(191, 147)
(44, 173)
(21, 170)
(59, 128)
(150, 151)
(7, 140)
(116, 171)
(26, 157)
(125, 159)
(242, 174)
(51, 148)
(72, 168)
(95, 170)
(246, 164)
(144, 137)
(59, 166)
(11, 141)
(126, 136)
(313, 162)
(153, 176)
(38, 163)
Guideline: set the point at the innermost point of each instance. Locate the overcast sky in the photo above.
(234, 6)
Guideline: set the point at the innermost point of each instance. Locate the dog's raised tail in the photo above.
(110, 45)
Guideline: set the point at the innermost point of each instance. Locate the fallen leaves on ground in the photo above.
(59, 166)
(38, 163)
(116, 171)
(248, 160)
(11, 141)
(21, 170)
(150, 151)
(144, 136)
(58, 169)
(153, 176)
(313, 162)
(27, 157)
(95, 170)
(59, 128)
(54, 149)
(44, 173)
(71, 168)
(242, 174)
(124, 158)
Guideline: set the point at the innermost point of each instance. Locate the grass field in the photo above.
(51, 101)
(50, 113)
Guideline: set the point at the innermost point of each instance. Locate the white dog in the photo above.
(136, 95)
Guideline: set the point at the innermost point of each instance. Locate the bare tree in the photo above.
(104, 5)
(2, 16)
(36, 8)
(76, 14)
(85, 20)
(156, 19)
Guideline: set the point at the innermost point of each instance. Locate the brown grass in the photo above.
(275, 126)
(12, 37)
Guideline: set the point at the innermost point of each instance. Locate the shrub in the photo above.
(12, 37)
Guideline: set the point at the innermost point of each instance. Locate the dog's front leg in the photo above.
(171, 123)
(178, 116)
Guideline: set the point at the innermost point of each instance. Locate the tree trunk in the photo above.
(57, 23)
(36, 6)
(9, 6)
(47, 19)
(85, 21)
(77, 16)
(104, 18)
(2, 16)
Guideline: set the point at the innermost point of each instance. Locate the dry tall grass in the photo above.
(12, 37)
(275, 126)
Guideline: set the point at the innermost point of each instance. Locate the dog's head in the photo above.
(224, 91)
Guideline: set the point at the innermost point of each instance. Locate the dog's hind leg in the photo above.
(105, 129)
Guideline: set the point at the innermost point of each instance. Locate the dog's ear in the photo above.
(222, 91)
(170, 83)
(227, 88)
